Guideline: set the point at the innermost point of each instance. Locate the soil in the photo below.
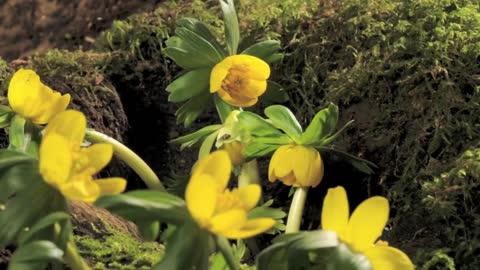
(34, 26)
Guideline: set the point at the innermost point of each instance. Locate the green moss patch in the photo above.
(119, 251)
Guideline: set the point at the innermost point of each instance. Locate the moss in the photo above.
(117, 250)
(5, 73)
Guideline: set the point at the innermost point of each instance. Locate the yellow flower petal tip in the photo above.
(240, 79)
(218, 209)
(363, 228)
(296, 165)
(33, 100)
(68, 167)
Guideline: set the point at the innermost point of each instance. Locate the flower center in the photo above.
(234, 82)
(228, 201)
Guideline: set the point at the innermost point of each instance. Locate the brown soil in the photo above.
(31, 26)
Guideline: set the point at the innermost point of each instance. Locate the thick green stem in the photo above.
(249, 174)
(296, 210)
(131, 158)
(73, 259)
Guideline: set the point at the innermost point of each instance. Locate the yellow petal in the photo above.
(114, 185)
(367, 223)
(99, 155)
(256, 88)
(69, 124)
(239, 101)
(24, 88)
(234, 150)
(335, 211)
(56, 104)
(80, 188)
(306, 166)
(388, 258)
(280, 164)
(200, 197)
(256, 68)
(249, 195)
(219, 72)
(228, 220)
(251, 228)
(218, 166)
(55, 159)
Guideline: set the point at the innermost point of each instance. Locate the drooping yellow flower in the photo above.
(70, 168)
(231, 138)
(218, 209)
(30, 98)
(296, 165)
(234, 150)
(361, 230)
(240, 79)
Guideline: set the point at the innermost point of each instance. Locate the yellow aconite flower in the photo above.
(363, 228)
(240, 79)
(231, 138)
(218, 209)
(234, 150)
(70, 168)
(296, 165)
(30, 98)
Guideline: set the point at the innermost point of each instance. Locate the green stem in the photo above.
(131, 158)
(296, 210)
(73, 259)
(249, 174)
(224, 246)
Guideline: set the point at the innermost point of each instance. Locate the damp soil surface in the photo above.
(31, 26)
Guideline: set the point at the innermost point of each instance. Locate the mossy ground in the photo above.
(119, 251)
(406, 71)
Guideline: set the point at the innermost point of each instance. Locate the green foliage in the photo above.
(119, 251)
(310, 250)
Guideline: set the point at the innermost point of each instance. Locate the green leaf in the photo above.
(6, 115)
(149, 230)
(188, 85)
(232, 31)
(263, 50)
(146, 206)
(257, 150)
(192, 109)
(24, 136)
(224, 246)
(207, 145)
(199, 46)
(266, 211)
(187, 248)
(274, 94)
(197, 136)
(360, 164)
(284, 119)
(322, 125)
(35, 256)
(34, 201)
(183, 58)
(223, 108)
(44, 229)
(202, 30)
(329, 139)
(310, 250)
(257, 126)
(16, 169)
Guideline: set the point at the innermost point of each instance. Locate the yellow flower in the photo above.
(296, 165)
(218, 209)
(30, 98)
(70, 168)
(231, 138)
(234, 150)
(240, 79)
(363, 228)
